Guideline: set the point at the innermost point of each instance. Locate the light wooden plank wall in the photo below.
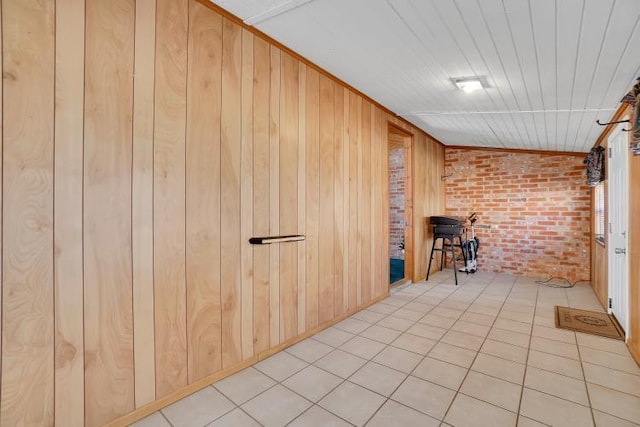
(68, 180)
(28, 50)
(143, 143)
(108, 306)
(204, 85)
(142, 204)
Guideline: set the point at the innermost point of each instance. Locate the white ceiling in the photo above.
(552, 66)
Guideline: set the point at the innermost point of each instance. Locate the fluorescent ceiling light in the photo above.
(468, 85)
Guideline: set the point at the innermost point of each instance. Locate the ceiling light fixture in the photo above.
(468, 85)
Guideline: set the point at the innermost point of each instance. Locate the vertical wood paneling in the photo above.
(230, 187)
(365, 203)
(408, 202)
(359, 202)
(384, 278)
(1, 203)
(419, 181)
(142, 203)
(169, 196)
(203, 194)
(69, 119)
(179, 134)
(338, 200)
(354, 135)
(27, 263)
(436, 185)
(385, 208)
(246, 194)
(373, 238)
(378, 230)
(302, 186)
(261, 195)
(364, 200)
(385, 214)
(420, 267)
(429, 190)
(107, 211)
(326, 259)
(312, 182)
(274, 195)
(345, 202)
(599, 274)
(288, 196)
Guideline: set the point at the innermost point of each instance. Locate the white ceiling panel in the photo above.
(255, 11)
(551, 67)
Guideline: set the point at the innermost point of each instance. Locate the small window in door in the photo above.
(598, 200)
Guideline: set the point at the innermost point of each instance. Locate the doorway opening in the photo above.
(400, 205)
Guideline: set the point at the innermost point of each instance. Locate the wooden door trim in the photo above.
(410, 240)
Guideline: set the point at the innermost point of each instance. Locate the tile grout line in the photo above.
(344, 380)
(241, 410)
(423, 358)
(351, 375)
(238, 406)
(165, 417)
(586, 386)
(468, 369)
(526, 364)
(612, 389)
(478, 352)
(413, 298)
(211, 421)
(387, 398)
(605, 351)
(337, 385)
(584, 379)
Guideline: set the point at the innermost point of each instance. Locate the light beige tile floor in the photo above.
(484, 353)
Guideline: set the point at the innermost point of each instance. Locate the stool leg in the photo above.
(464, 256)
(453, 259)
(433, 246)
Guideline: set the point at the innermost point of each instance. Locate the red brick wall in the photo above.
(396, 201)
(536, 205)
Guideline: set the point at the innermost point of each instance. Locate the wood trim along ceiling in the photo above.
(308, 63)
(517, 150)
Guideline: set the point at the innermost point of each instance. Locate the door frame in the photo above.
(409, 250)
(618, 137)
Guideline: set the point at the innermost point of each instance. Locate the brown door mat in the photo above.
(589, 322)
